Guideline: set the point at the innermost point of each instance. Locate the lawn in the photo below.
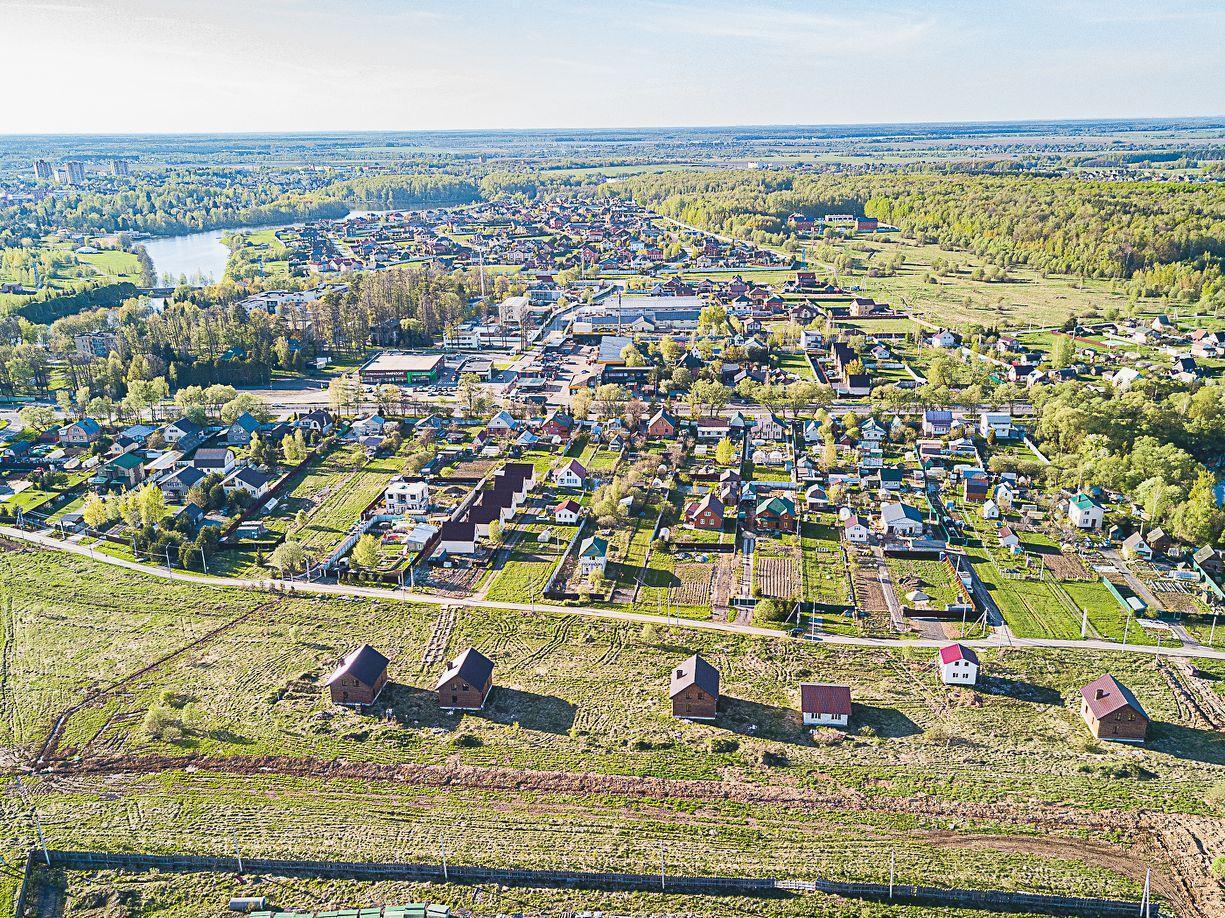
(824, 567)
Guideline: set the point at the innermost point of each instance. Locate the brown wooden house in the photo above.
(359, 678)
(466, 682)
(662, 425)
(1112, 711)
(706, 513)
(695, 690)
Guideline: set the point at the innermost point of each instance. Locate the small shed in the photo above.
(466, 682)
(695, 690)
(359, 678)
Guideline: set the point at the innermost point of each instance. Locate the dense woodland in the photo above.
(1159, 239)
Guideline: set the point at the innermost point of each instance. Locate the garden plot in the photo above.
(920, 575)
(694, 586)
(332, 496)
(776, 576)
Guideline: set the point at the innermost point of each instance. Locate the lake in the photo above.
(193, 255)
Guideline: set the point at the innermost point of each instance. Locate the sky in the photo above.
(120, 66)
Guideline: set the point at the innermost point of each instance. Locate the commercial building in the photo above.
(401, 369)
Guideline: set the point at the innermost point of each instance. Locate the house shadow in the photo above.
(1183, 742)
(888, 723)
(530, 710)
(764, 721)
(1021, 691)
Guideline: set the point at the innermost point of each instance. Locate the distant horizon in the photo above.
(1210, 119)
(276, 66)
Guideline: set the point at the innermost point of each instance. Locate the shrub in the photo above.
(774, 758)
(721, 745)
(467, 741)
(160, 723)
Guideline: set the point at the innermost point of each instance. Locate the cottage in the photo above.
(990, 510)
(1159, 541)
(248, 480)
(502, 424)
(457, 537)
(318, 421)
(694, 690)
(712, 429)
(567, 512)
(128, 470)
(359, 678)
(182, 429)
(958, 665)
(593, 556)
(1134, 546)
(995, 422)
(706, 513)
(176, 485)
(1112, 712)
(855, 530)
(557, 424)
(937, 422)
(775, 514)
(572, 474)
(824, 705)
(1009, 540)
(466, 682)
(369, 426)
(1084, 512)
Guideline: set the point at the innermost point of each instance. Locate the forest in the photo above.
(1155, 238)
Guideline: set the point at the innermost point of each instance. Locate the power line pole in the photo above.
(662, 878)
(442, 847)
(237, 850)
(892, 871)
(38, 826)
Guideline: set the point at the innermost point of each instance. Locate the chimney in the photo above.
(1099, 694)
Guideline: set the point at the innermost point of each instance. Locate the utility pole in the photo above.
(1126, 625)
(662, 878)
(892, 871)
(237, 850)
(1084, 623)
(1146, 903)
(203, 560)
(442, 847)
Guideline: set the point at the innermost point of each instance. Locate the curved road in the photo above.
(335, 589)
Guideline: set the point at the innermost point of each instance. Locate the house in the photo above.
(891, 478)
(248, 480)
(1159, 541)
(816, 497)
(958, 665)
(127, 469)
(218, 460)
(1112, 712)
(80, 433)
(901, 520)
(855, 530)
(359, 678)
(1209, 560)
(502, 424)
(176, 485)
(240, 432)
(403, 497)
(1009, 539)
(943, 339)
(775, 514)
(457, 537)
(369, 426)
(824, 705)
(182, 429)
(937, 422)
(706, 513)
(1084, 512)
(995, 422)
(466, 682)
(190, 515)
(712, 429)
(1134, 546)
(318, 421)
(871, 432)
(571, 474)
(975, 486)
(567, 511)
(990, 511)
(593, 556)
(662, 425)
(557, 424)
(1124, 378)
(694, 690)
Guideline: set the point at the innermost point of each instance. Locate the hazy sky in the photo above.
(266, 65)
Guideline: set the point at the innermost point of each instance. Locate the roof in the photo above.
(127, 461)
(695, 672)
(472, 666)
(1114, 696)
(1082, 501)
(891, 513)
(569, 504)
(365, 664)
(186, 425)
(251, 477)
(777, 505)
(574, 466)
(246, 422)
(954, 652)
(820, 698)
(404, 363)
(593, 547)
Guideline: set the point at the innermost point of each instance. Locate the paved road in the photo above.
(333, 589)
